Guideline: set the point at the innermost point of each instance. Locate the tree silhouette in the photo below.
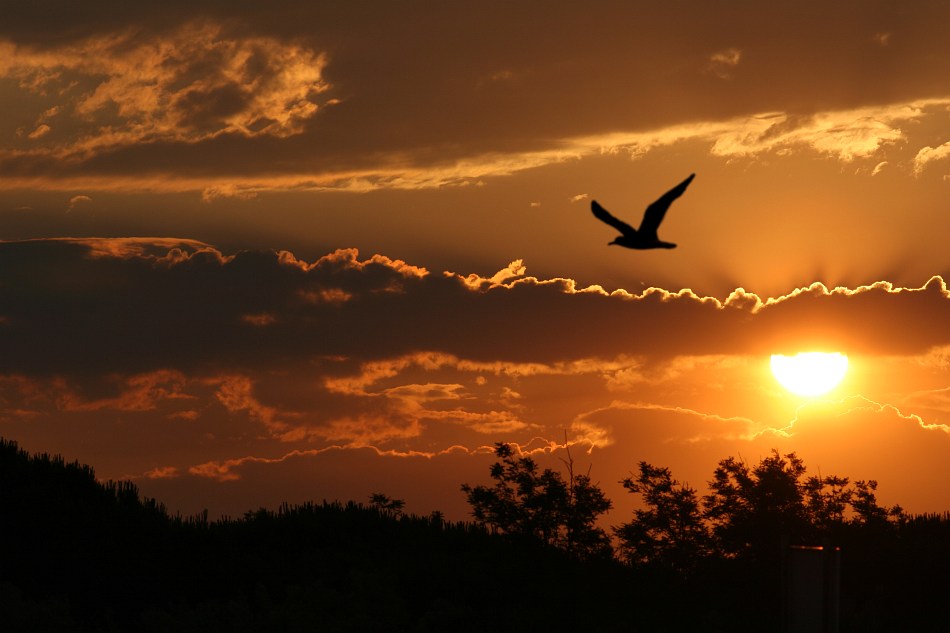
(827, 500)
(671, 530)
(386, 504)
(867, 511)
(527, 502)
(93, 556)
(752, 509)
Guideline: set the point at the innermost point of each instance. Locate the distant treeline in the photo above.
(80, 555)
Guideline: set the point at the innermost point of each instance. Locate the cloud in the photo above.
(514, 270)
(142, 392)
(236, 394)
(203, 100)
(930, 399)
(210, 194)
(137, 306)
(78, 201)
(579, 197)
(40, 131)
(936, 358)
(846, 135)
(146, 350)
(928, 155)
(230, 470)
(243, 348)
(187, 85)
(723, 62)
(853, 437)
(162, 472)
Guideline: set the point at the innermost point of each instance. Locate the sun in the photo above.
(809, 373)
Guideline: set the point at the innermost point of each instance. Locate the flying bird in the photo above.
(644, 237)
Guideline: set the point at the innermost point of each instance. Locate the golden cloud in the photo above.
(187, 85)
(928, 155)
(722, 62)
(846, 135)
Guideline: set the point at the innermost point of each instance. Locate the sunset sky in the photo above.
(261, 252)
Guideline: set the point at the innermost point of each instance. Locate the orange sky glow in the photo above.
(303, 252)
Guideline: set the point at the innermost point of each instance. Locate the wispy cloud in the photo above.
(846, 135)
(78, 201)
(723, 63)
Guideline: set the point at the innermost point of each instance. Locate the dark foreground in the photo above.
(79, 555)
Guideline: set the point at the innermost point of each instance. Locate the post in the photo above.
(810, 595)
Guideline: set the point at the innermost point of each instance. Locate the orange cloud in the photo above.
(928, 155)
(259, 320)
(77, 201)
(155, 248)
(230, 469)
(143, 392)
(162, 472)
(367, 430)
(846, 135)
(236, 393)
(188, 85)
(816, 412)
(722, 62)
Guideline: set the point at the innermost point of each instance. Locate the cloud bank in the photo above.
(142, 305)
(187, 367)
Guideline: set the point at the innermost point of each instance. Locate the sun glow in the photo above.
(809, 373)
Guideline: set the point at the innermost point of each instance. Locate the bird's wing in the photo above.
(656, 211)
(604, 216)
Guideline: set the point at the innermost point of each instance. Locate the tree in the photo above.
(752, 509)
(826, 501)
(670, 531)
(386, 505)
(867, 511)
(527, 502)
(585, 502)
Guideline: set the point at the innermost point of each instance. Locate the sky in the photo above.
(264, 252)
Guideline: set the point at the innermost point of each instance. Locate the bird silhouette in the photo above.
(645, 237)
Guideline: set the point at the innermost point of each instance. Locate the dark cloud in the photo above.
(101, 306)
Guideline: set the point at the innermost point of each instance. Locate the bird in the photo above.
(645, 237)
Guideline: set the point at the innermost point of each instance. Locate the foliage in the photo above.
(748, 512)
(526, 502)
(827, 500)
(670, 531)
(385, 504)
(750, 509)
(863, 500)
